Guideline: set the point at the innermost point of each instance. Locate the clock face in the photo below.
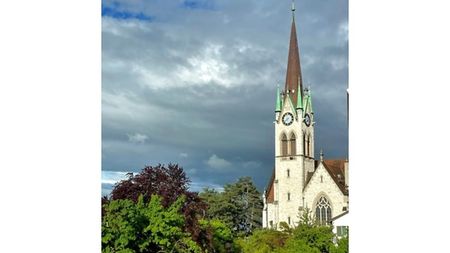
(307, 120)
(288, 118)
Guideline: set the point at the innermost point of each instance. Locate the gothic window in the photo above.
(284, 145)
(289, 220)
(289, 196)
(323, 211)
(321, 179)
(288, 173)
(293, 144)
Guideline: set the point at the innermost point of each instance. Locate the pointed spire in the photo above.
(278, 104)
(299, 96)
(293, 72)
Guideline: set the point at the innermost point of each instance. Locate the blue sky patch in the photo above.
(114, 12)
(198, 4)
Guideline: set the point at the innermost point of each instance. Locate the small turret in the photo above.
(299, 106)
(310, 101)
(279, 104)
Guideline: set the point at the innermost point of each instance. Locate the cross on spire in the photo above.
(293, 8)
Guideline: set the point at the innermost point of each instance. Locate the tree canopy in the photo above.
(239, 205)
(169, 183)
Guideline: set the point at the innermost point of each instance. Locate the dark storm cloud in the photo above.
(196, 85)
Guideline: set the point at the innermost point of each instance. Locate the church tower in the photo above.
(294, 142)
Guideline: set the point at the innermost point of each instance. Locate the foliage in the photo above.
(145, 227)
(262, 241)
(222, 237)
(342, 246)
(239, 206)
(170, 183)
(307, 237)
(312, 234)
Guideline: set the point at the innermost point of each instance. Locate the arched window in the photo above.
(284, 144)
(323, 211)
(293, 144)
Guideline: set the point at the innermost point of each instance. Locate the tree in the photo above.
(170, 183)
(244, 204)
(145, 227)
(263, 241)
(222, 237)
(239, 205)
(310, 236)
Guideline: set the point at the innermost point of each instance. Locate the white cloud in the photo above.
(216, 162)
(112, 177)
(199, 186)
(184, 155)
(137, 138)
(208, 67)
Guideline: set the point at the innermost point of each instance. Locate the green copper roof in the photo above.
(292, 105)
(310, 101)
(278, 104)
(299, 97)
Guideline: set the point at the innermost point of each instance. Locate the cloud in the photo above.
(199, 186)
(112, 177)
(201, 81)
(109, 178)
(137, 138)
(216, 162)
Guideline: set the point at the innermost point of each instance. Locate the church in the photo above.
(299, 181)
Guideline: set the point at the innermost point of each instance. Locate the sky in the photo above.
(194, 83)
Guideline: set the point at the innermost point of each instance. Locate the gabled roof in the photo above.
(335, 169)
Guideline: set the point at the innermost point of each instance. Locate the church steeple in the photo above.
(293, 72)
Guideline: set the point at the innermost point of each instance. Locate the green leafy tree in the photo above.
(170, 182)
(342, 246)
(262, 241)
(145, 227)
(310, 236)
(239, 205)
(222, 237)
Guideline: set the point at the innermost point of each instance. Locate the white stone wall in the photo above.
(292, 184)
(317, 187)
